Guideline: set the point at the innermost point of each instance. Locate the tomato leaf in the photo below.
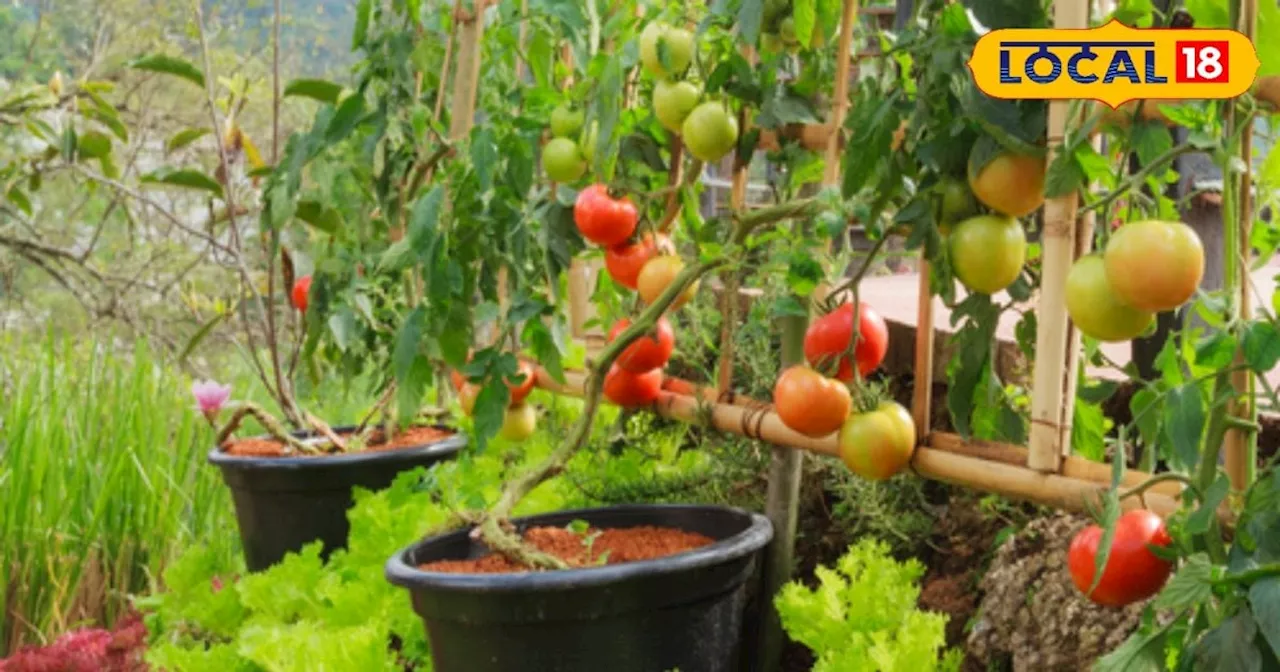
(1142, 652)
(1110, 514)
(1150, 139)
(345, 119)
(19, 199)
(171, 65)
(1230, 646)
(1199, 520)
(315, 89)
(191, 179)
(1088, 431)
(412, 370)
(361, 30)
(1264, 597)
(484, 156)
(327, 220)
(1261, 346)
(805, 14)
(546, 347)
(1191, 585)
(490, 408)
(750, 16)
(1216, 350)
(342, 324)
(1184, 416)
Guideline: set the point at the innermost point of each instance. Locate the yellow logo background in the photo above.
(1154, 54)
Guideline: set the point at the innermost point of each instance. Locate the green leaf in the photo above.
(1184, 416)
(1190, 586)
(1216, 350)
(1088, 431)
(750, 16)
(361, 30)
(1264, 597)
(412, 369)
(1199, 520)
(1261, 346)
(1142, 652)
(94, 145)
(201, 333)
(1150, 140)
(1230, 646)
(1065, 175)
(190, 179)
(491, 407)
(19, 199)
(345, 119)
(805, 14)
(787, 306)
(171, 65)
(316, 89)
(183, 138)
(1110, 514)
(545, 347)
(484, 156)
(327, 220)
(342, 324)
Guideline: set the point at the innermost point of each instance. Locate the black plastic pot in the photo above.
(285, 503)
(681, 612)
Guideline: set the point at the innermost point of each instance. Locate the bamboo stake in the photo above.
(945, 457)
(922, 390)
(467, 77)
(730, 276)
(1240, 448)
(1049, 403)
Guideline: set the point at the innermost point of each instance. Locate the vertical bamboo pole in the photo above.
(922, 392)
(785, 468)
(1049, 402)
(467, 77)
(730, 278)
(1240, 447)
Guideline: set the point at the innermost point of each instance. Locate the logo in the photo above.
(1113, 64)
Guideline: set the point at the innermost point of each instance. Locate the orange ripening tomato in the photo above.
(521, 389)
(810, 403)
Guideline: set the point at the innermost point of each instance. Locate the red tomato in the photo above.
(810, 403)
(828, 338)
(648, 352)
(521, 390)
(301, 289)
(625, 261)
(1132, 573)
(632, 389)
(602, 219)
(458, 380)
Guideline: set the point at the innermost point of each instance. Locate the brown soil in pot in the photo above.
(611, 546)
(409, 438)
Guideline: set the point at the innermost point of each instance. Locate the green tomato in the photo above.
(787, 31)
(673, 101)
(1094, 308)
(676, 46)
(562, 161)
(773, 9)
(958, 204)
(987, 252)
(566, 121)
(710, 132)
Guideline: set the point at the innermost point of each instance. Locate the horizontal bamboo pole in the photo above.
(983, 466)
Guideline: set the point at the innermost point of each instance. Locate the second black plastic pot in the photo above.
(285, 503)
(681, 612)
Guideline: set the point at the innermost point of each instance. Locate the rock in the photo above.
(1031, 615)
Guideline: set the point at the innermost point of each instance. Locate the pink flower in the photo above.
(210, 396)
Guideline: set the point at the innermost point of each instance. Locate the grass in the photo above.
(103, 479)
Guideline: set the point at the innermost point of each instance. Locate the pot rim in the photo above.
(446, 445)
(757, 534)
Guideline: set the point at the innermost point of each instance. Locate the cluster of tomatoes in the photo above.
(709, 129)
(520, 419)
(647, 264)
(988, 250)
(875, 442)
(563, 157)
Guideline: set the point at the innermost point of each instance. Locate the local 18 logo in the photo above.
(1113, 63)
